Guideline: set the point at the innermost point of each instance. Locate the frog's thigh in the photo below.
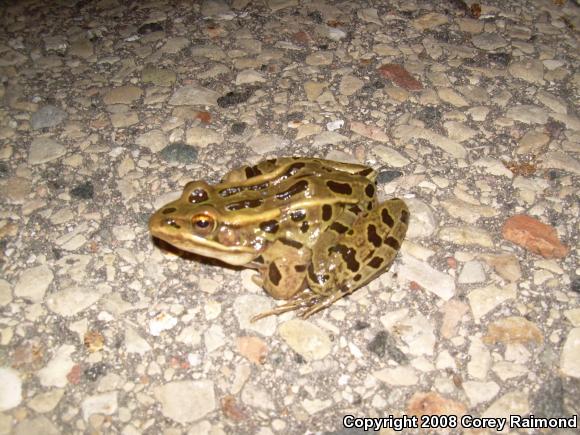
(356, 257)
(284, 270)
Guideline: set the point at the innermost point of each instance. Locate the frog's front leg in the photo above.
(349, 258)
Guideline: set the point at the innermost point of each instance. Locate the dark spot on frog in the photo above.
(83, 191)
(172, 223)
(95, 371)
(355, 209)
(300, 268)
(393, 243)
(319, 279)
(269, 226)
(252, 171)
(365, 172)
(338, 227)
(304, 226)
(297, 215)
(357, 277)
(246, 203)
(370, 190)
(375, 262)
(373, 237)
(348, 256)
(340, 188)
(387, 218)
(169, 210)
(292, 243)
(274, 274)
(259, 259)
(295, 189)
(326, 212)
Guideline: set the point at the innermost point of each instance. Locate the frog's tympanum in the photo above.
(312, 228)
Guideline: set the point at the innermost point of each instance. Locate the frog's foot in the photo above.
(308, 302)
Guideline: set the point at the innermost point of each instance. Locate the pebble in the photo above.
(471, 273)
(71, 301)
(532, 142)
(479, 359)
(154, 140)
(5, 293)
(391, 156)
(54, 374)
(134, 343)
(202, 137)
(466, 235)
(191, 95)
(214, 337)
(453, 312)
(249, 76)
(315, 406)
(534, 236)
(400, 376)
(560, 160)
(122, 95)
(161, 322)
(11, 391)
(468, 212)
(267, 143)
(46, 402)
(485, 299)
(423, 222)
(505, 265)
(256, 396)
(36, 425)
(433, 403)
(247, 306)
(512, 403)
(528, 114)
(179, 152)
(104, 404)
(350, 85)
(459, 131)
(45, 149)
(530, 70)
(494, 167)
(432, 280)
(47, 117)
(570, 356)
(406, 133)
(186, 401)
(369, 131)
(480, 392)
(488, 41)
(33, 283)
(305, 338)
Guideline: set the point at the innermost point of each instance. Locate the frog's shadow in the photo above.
(189, 256)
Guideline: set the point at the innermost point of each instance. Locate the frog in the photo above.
(312, 228)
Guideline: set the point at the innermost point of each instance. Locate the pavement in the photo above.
(469, 111)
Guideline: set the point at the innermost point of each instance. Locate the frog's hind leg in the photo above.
(348, 257)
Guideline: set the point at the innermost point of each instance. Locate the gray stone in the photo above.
(488, 41)
(44, 149)
(192, 95)
(33, 283)
(47, 116)
(11, 391)
(186, 401)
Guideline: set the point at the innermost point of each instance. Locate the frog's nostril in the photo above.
(172, 223)
(169, 210)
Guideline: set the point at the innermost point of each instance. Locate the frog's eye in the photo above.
(203, 224)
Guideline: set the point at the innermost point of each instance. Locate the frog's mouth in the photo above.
(176, 232)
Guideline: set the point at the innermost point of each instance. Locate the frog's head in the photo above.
(196, 223)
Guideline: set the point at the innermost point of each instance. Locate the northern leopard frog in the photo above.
(311, 227)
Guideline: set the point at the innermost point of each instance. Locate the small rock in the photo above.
(186, 401)
(54, 374)
(5, 293)
(471, 273)
(313, 90)
(448, 95)
(15, 190)
(406, 133)
(560, 160)
(512, 403)
(512, 330)
(46, 117)
(434, 404)
(391, 156)
(179, 152)
(480, 392)
(44, 149)
(488, 41)
(505, 265)
(71, 301)
(432, 280)
(122, 95)
(350, 85)
(267, 143)
(400, 76)
(320, 58)
(192, 95)
(532, 142)
(369, 131)
(33, 283)
(247, 306)
(161, 322)
(466, 211)
(423, 222)
(252, 348)
(328, 138)
(528, 114)
(453, 312)
(46, 402)
(160, 76)
(104, 404)
(466, 235)
(36, 425)
(214, 337)
(479, 359)
(256, 396)
(370, 15)
(530, 70)
(249, 76)
(11, 391)
(459, 131)
(397, 376)
(202, 137)
(570, 357)
(155, 140)
(485, 299)
(493, 167)
(306, 339)
(134, 343)
(534, 236)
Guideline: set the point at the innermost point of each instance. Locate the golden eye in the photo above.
(203, 224)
